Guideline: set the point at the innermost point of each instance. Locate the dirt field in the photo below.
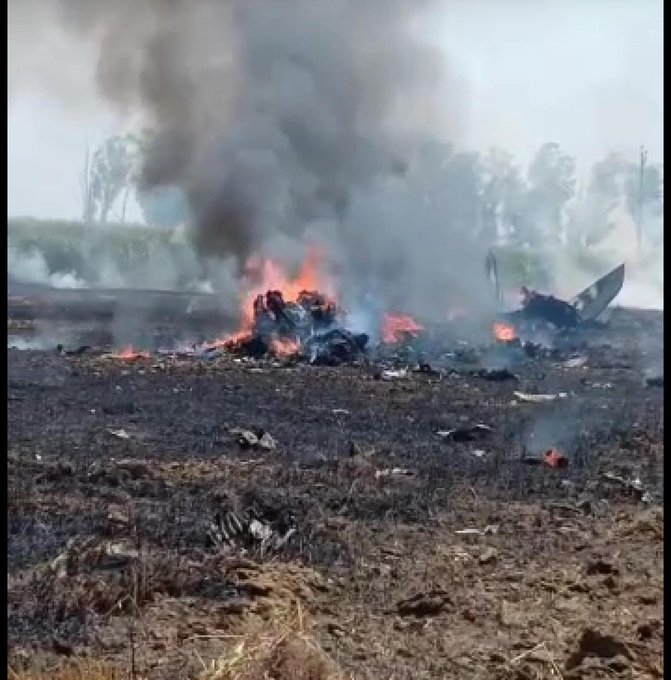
(351, 514)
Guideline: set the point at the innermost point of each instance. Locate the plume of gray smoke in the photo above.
(30, 266)
(295, 120)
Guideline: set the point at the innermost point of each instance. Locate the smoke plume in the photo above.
(295, 121)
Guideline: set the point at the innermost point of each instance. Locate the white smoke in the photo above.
(30, 267)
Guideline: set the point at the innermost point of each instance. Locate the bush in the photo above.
(74, 247)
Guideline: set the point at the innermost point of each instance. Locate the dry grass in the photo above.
(77, 670)
(281, 649)
(272, 640)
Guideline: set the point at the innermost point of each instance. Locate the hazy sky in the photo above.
(584, 73)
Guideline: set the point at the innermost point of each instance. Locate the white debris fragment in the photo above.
(394, 375)
(120, 433)
(392, 472)
(540, 398)
(575, 362)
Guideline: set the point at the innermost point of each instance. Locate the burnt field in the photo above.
(161, 509)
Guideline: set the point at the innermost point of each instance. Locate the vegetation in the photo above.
(66, 246)
(530, 213)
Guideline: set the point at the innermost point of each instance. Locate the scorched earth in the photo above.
(163, 510)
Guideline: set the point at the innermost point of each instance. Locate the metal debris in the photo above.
(575, 362)
(489, 530)
(495, 374)
(632, 486)
(466, 433)
(393, 472)
(249, 529)
(394, 375)
(340, 412)
(539, 398)
(120, 433)
(72, 352)
(249, 439)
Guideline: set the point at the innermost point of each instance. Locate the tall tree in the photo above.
(591, 216)
(502, 195)
(109, 173)
(552, 185)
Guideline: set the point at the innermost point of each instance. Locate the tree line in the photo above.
(487, 195)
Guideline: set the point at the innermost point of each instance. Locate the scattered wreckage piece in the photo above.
(119, 434)
(489, 530)
(592, 301)
(495, 374)
(633, 487)
(72, 352)
(585, 307)
(551, 458)
(249, 530)
(334, 347)
(575, 362)
(540, 307)
(253, 440)
(394, 472)
(467, 433)
(392, 374)
(539, 398)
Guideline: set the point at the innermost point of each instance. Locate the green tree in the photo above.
(109, 173)
(503, 195)
(591, 216)
(552, 185)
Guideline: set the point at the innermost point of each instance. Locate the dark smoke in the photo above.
(288, 121)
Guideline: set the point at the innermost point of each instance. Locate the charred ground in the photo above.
(122, 475)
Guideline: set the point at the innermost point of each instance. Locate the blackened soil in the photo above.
(93, 438)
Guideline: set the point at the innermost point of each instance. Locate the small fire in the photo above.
(129, 354)
(284, 348)
(394, 327)
(554, 459)
(504, 332)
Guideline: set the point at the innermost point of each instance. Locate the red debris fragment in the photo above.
(554, 459)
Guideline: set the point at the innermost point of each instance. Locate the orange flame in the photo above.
(284, 348)
(264, 274)
(129, 354)
(395, 326)
(504, 332)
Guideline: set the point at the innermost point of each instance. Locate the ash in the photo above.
(187, 466)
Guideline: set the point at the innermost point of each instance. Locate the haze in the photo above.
(586, 75)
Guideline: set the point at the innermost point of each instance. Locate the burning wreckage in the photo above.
(547, 311)
(307, 327)
(285, 317)
(312, 326)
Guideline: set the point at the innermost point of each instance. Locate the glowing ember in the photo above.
(284, 348)
(504, 332)
(554, 459)
(129, 354)
(394, 327)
